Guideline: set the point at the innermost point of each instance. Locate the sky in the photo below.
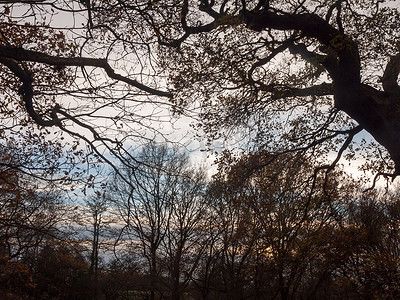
(180, 130)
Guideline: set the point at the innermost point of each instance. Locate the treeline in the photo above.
(261, 228)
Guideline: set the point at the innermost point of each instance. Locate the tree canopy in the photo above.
(296, 83)
(295, 76)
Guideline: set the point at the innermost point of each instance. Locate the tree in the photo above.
(95, 220)
(30, 212)
(237, 241)
(289, 234)
(329, 68)
(124, 275)
(61, 272)
(56, 82)
(282, 229)
(206, 274)
(160, 205)
(186, 237)
(372, 269)
(318, 67)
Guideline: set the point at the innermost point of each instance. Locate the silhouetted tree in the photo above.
(160, 205)
(298, 76)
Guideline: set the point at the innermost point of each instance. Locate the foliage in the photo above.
(61, 272)
(288, 76)
(281, 231)
(294, 83)
(283, 236)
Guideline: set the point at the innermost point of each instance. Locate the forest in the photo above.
(172, 234)
(199, 149)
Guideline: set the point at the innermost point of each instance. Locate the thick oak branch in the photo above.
(390, 76)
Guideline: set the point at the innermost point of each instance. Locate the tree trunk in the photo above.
(94, 257)
(153, 273)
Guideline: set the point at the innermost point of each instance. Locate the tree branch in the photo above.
(328, 61)
(26, 92)
(20, 54)
(322, 89)
(282, 47)
(390, 76)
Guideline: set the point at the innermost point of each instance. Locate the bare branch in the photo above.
(20, 54)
